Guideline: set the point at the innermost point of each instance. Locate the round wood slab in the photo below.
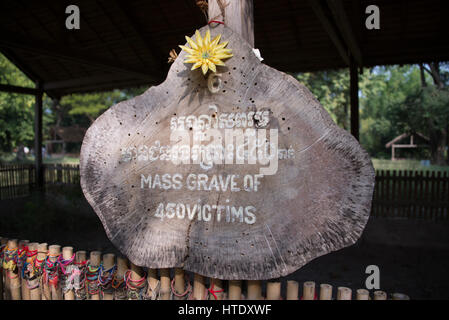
(227, 221)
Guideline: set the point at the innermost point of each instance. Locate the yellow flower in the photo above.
(205, 53)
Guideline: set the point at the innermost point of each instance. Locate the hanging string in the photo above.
(10, 257)
(137, 289)
(105, 278)
(2, 253)
(188, 291)
(29, 271)
(50, 273)
(35, 272)
(118, 284)
(92, 273)
(213, 292)
(204, 7)
(21, 256)
(78, 279)
(68, 272)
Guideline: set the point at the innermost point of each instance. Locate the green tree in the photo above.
(332, 90)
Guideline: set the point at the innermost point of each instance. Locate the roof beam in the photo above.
(330, 29)
(20, 65)
(345, 28)
(16, 89)
(88, 81)
(132, 21)
(71, 54)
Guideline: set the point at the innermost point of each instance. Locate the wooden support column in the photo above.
(354, 93)
(238, 15)
(38, 138)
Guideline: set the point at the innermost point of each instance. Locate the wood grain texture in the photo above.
(317, 202)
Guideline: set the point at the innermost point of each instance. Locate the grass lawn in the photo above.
(415, 165)
(67, 159)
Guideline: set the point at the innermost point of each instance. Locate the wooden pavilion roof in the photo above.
(126, 43)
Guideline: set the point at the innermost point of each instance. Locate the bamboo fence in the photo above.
(37, 271)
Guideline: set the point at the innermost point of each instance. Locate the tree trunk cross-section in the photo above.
(317, 201)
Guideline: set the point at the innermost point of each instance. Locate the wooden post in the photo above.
(94, 261)
(254, 290)
(165, 284)
(325, 291)
(273, 290)
(354, 93)
(380, 295)
(119, 286)
(36, 292)
(53, 252)
(67, 254)
(179, 283)
(199, 288)
(216, 286)
(362, 294)
(308, 290)
(136, 273)
(292, 290)
(13, 275)
(29, 260)
(238, 15)
(153, 284)
(81, 257)
(38, 138)
(108, 263)
(235, 290)
(344, 293)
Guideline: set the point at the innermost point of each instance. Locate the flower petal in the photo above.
(211, 66)
(199, 40)
(197, 65)
(206, 40)
(187, 49)
(204, 68)
(191, 43)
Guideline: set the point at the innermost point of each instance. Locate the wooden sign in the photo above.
(238, 174)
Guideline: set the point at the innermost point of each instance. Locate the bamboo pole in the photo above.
(198, 287)
(153, 284)
(2, 280)
(308, 290)
(344, 293)
(13, 275)
(399, 296)
(36, 292)
(273, 290)
(53, 252)
(137, 273)
(165, 284)
(120, 289)
(81, 257)
(24, 289)
(94, 261)
(380, 295)
(292, 290)
(362, 294)
(108, 263)
(67, 254)
(254, 289)
(325, 291)
(26, 294)
(216, 286)
(179, 283)
(235, 290)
